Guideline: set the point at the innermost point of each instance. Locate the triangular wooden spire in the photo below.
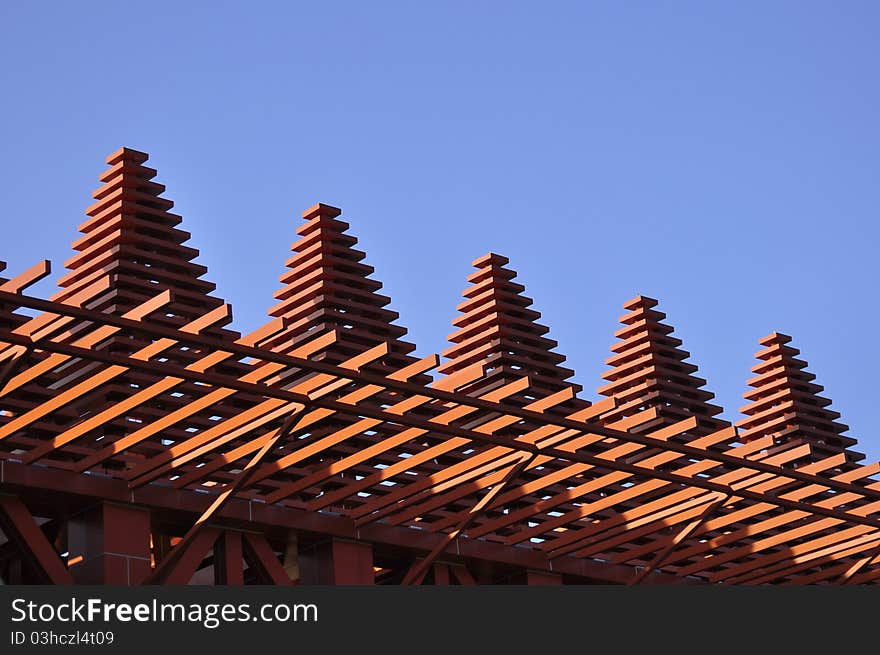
(784, 403)
(649, 371)
(328, 288)
(132, 238)
(130, 253)
(496, 329)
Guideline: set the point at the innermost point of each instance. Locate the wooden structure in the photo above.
(142, 441)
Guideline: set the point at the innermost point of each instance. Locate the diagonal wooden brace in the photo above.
(247, 472)
(679, 537)
(418, 572)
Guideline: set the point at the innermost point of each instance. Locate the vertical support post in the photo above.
(337, 562)
(228, 559)
(114, 543)
(161, 546)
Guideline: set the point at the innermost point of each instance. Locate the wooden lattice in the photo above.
(127, 387)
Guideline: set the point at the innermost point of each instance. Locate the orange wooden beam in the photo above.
(677, 538)
(221, 499)
(418, 572)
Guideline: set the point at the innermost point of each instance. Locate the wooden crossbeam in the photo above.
(765, 525)
(236, 426)
(792, 558)
(872, 558)
(830, 567)
(164, 385)
(756, 509)
(565, 440)
(456, 479)
(29, 277)
(823, 480)
(677, 538)
(428, 454)
(756, 548)
(244, 351)
(221, 499)
(576, 540)
(610, 455)
(815, 553)
(90, 340)
(41, 326)
(732, 517)
(758, 545)
(166, 369)
(418, 572)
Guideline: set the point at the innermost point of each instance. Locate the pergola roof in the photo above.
(129, 376)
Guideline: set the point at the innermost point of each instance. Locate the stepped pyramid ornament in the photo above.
(784, 403)
(130, 252)
(328, 288)
(649, 371)
(496, 329)
(131, 238)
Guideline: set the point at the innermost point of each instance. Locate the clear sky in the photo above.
(722, 157)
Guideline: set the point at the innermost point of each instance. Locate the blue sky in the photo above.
(722, 157)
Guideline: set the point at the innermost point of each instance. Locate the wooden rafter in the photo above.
(129, 371)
